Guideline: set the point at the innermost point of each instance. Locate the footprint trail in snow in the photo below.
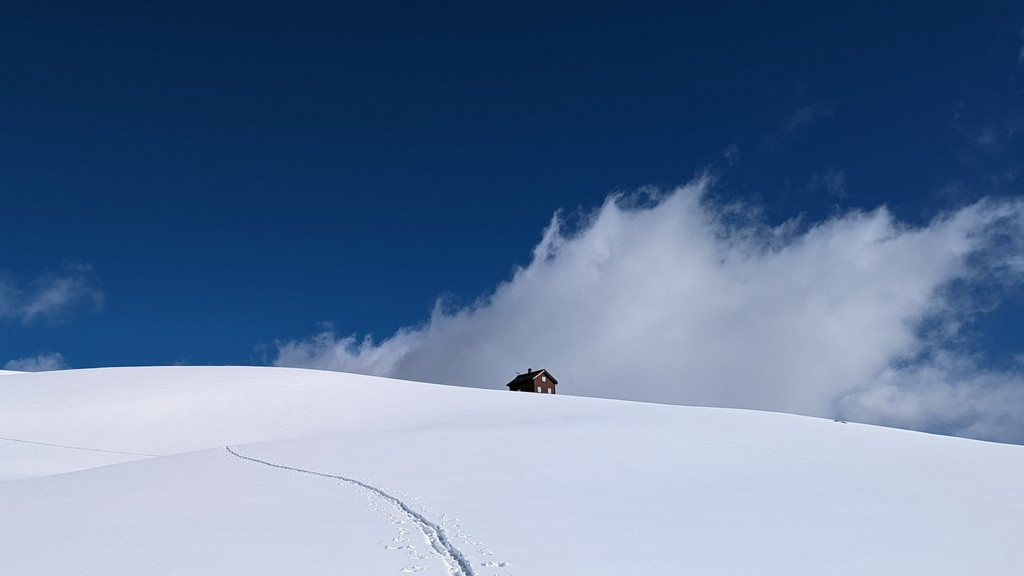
(453, 558)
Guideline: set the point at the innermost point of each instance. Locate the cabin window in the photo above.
(538, 388)
(543, 378)
(549, 390)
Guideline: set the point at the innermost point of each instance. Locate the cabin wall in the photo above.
(544, 386)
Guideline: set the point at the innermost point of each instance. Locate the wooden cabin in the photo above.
(538, 381)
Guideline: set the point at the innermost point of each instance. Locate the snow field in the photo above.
(272, 471)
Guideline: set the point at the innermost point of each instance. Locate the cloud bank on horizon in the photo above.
(42, 362)
(676, 298)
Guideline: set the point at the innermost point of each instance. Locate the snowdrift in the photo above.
(236, 470)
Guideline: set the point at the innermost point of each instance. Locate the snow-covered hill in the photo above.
(186, 470)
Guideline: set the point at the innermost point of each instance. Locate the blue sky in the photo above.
(211, 182)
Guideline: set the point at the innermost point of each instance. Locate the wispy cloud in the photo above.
(794, 125)
(807, 115)
(831, 182)
(732, 154)
(993, 132)
(42, 362)
(691, 302)
(51, 295)
(1020, 55)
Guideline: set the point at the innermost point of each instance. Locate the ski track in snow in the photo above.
(454, 559)
(78, 447)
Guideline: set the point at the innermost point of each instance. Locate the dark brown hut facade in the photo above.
(537, 381)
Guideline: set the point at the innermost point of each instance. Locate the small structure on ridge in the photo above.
(534, 381)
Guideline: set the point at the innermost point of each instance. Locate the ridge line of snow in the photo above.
(453, 558)
(79, 447)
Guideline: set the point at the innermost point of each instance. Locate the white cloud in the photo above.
(51, 295)
(948, 393)
(685, 301)
(41, 362)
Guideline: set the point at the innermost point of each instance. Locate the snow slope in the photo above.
(233, 470)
